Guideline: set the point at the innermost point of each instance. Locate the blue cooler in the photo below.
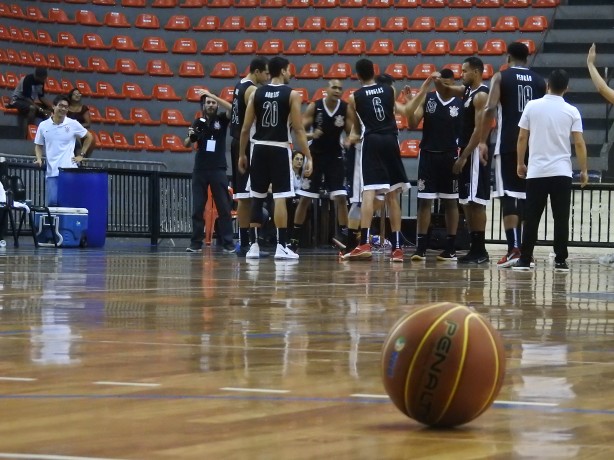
(70, 227)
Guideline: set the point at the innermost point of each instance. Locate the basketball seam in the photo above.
(419, 349)
(486, 404)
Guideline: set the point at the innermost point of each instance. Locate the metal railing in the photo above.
(158, 204)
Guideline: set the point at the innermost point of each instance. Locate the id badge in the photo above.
(210, 145)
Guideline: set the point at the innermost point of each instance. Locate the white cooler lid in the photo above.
(60, 210)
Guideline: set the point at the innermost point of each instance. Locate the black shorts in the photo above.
(382, 166)
(328, 169)
(271, 165)
(239, 181)
(507, 181)
(435, 177)
(474, 181)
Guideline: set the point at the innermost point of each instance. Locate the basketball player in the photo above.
(258, 75)
(510, 90)
(373, 109)
(438, 151)
(273, 108)
(473, 164)
(325, 120)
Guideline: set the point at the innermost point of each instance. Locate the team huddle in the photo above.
(454, 164)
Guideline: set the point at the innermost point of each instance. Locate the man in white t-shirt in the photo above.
(57, 135)
(546, 125)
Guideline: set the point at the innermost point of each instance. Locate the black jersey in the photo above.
(468, 123)
(272, 108)
(442, 122)
(375, 109)
(331, 123)
(238, 107)
(519, 85)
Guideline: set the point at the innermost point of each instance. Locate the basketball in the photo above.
(443, 364)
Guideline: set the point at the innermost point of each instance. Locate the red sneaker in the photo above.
(509, 259)
(397, 255)
(362, 251)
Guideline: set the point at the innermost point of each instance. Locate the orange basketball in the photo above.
(443, 364)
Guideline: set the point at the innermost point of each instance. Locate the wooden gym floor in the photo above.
(137, 353)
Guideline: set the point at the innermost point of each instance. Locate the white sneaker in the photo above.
(285, 253)
(607, 260)
(2, 244)
(254, 252)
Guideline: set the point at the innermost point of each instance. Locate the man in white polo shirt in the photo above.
(546, 125)
(57, 135)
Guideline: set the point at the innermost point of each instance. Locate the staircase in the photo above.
(576, 26)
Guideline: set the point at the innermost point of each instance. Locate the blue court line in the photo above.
(289, 399)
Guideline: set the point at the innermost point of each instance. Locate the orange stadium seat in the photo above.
(381, 47)
(165, 92)
(326, 46)
(461, 3)
(318, 94)
(397, 70)
(135, 92)
(233, 23)
(422, 71)
(39, 59)
(286, 24)
(83, 87)
(300, 46)
(32, 132)
(159, 67)
(147, 21)
(95, 115)
(410, 148)
(127, 66)
(353, 47)
(352, 3)
(489, 3)
(423, 24)
(434, 3)
(178, 22)
(534, 24)
(506, 24)
(43, 38)
(174, 143)
(185, 46)
(95, 42)
(208, 23)
(313, 24)
(67, 39)
(272, 4)
(72, 64)
(245, 46)
(465, 47)
(488, 72)
(368, 24)
(407, 3)
(26, 58)
(298, 3)
(517, 3)
(154, 45)
(123, 43)
(98, 64)
(246, 3)
(34, 13)
(311, 70)
(59, 16)
(113, 116)
(457, 69)
(304, 94)
(164, 3)
(224, 70)
(104, 140)
(116, 19)
(339, 70)
(325, 3)
(380, 3)
(67, 86)
(220, 4)
(106, 90)
(121, 143)
(409, 47)
(260, 24)
(478, 24)
(15, 34)
(341, 24)
(173, 117)
(52, 85)
(450, 24)
(271, 47)
(141, 116)
(192, 95)
(396, 24)
(53, 61)
(191, 69)
(347, 93)
(437, 47)
(144, 142)
(545, 3)
(493, 47)
(134, 3)
(28, 36)
(87, 18)
(216, 46)
(227, 93)
(530, 44)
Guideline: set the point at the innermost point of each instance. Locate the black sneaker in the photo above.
(193, 249)
(522, 265)
(473, 258)
(561, 267)
(419, 256)
(229, 248)
(447, 256)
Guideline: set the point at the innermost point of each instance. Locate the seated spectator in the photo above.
(80, 112)
(28, 98)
